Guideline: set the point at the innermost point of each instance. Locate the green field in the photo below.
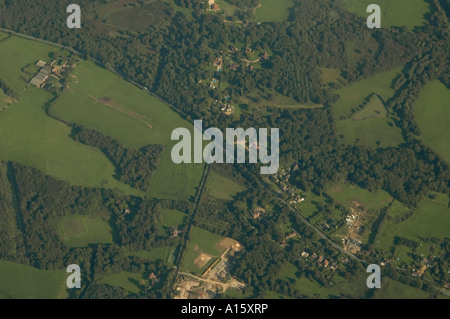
(432, 113)
(408, 13)
(345, 193)
(29, 136)
(221, 187)
(127, 280)
(172, 217)
(391, 289)
(3, 35)
(362, 118)
(373, 132)
(17, 53)
(82, 230)
(201, 241)
(23, 282)
(159, 253)
(430, 220)
(99, 99)
(273, 10)
(351, 97)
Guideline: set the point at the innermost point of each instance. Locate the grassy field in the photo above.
(345, 193)
(17, 53)
(221, 187)
(29, 136)
(273, 10)
(24, 282)
(82, 230)
(201, 242)
(432, 113)
(160, 253)
(391, 289)
(367, 123)
(429, 220)
(3, 35)
(100, 100)
(127, 280)
(351, 97)
(408, 13)
(373, 132)
(173, 217)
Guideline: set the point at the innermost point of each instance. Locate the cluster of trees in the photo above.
(133, 167)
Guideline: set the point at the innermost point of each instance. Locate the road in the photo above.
(318, 231)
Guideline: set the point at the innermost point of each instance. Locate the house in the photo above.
(215, 7)
(265, 56)
(40, 64)
(305, 254)
(234, 67)
(219, 64)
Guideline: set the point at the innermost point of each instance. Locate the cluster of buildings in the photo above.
(213, 6)
(47, 70)
(281, 179)
(321, 261)
(256, 213)
(43, 75)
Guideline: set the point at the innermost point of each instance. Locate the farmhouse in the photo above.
(42, 76)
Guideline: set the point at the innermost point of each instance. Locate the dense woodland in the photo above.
(171, 61)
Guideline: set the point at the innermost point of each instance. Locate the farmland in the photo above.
(100, 100)
(16, 54)
(81, 230)
(408, 13)
(433, 115)
(24, 282)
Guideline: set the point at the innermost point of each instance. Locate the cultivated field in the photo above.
(433, 116)
(82, 230)
(408, 13)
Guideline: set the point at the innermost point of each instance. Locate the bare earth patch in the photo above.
(202, 260)
(226, 243)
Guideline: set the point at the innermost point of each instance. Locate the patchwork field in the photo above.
(24, 282)
(273, 10)
(221, 187)
(432, 113)
(82, 230)
(408, 13)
